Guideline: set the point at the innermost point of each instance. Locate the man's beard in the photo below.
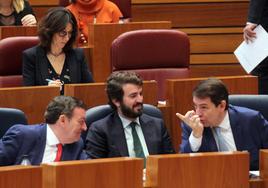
(130, 113)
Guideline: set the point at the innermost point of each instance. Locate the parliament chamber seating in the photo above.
(155, 54)
(11, 49)
(123, 5)
(10, 117)
(255, 102)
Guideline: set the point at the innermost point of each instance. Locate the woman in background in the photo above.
(16, 12)
(54, 61)
(93, 11)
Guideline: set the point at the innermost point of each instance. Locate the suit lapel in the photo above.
(72, 64)
(37, 152)
(42, 62)
(236, 128)
(118, 135)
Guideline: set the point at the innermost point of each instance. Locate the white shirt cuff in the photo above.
(195, 143)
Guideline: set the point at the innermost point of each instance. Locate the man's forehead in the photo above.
(201, 101)
(131, 88)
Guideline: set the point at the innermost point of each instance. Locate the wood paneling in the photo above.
(94, 94)
(97, 173)
(31, 100)
(20, 176)
(11, 31)
(195, 170)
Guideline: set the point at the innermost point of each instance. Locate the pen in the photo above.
(49, 80)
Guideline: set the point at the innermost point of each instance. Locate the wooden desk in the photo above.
(98, 173)
(20, 176)
(179, 97)
(31, 100)
(94, 94)
(12, 31)
(209, 170)
(101, 37)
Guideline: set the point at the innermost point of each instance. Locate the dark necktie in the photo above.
(59, 153)
(137, 143)
(220, 139)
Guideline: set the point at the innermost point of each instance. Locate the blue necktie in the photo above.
(221, 142)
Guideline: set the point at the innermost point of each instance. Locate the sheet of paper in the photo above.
(251, 54)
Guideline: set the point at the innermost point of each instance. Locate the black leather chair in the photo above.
(256, 102)
(10, 117)
(99, 112)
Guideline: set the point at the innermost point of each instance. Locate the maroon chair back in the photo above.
(123, 5)
(11, 59)
(154, 54)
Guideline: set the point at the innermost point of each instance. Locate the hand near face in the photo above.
(249, 35)
(193, 121)
(28, 20)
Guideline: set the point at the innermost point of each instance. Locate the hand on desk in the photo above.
(193, 121)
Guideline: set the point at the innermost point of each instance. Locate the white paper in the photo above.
(251, 54)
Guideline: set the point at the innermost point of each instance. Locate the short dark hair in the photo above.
(214, 89)
(115, 83)
(62, 105)
(53, 22)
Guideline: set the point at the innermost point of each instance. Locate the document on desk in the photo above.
(251, 54)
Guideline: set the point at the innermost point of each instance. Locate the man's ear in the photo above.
(116, 103)
(62, 119)
(223, 104)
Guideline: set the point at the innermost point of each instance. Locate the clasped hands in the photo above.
(193, 121)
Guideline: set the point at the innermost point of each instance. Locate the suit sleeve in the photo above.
(185, 143)
(28, 68)
(256, 8)
(96, 144)
(166, 141)
(10, 145)
(86, 76)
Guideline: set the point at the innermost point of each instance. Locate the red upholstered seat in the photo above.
(11, 59)
(123, 5)
(154, 54)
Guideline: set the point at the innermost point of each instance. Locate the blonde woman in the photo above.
(16, 12)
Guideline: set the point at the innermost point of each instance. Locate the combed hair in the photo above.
(115, 83)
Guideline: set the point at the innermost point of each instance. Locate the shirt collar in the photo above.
(51, 137)
(225, 124)
(126, 121)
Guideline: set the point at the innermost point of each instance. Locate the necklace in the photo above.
(55, 55)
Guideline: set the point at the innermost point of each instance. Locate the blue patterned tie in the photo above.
(220, 139)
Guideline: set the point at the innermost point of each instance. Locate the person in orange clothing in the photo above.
(93, 11)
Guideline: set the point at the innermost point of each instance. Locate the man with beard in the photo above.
(127, 131)
(215, 125)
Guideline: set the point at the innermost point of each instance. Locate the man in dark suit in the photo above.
(215, 125)
(127, 131)
(57, 140)
(258, 14)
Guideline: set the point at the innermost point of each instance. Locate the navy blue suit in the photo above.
(250, 132)
(30, 140)
(106, 137)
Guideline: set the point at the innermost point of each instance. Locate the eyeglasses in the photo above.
(65, 33)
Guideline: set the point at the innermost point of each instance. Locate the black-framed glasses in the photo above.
(64, 33)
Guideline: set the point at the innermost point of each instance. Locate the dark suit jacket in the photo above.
(250, 131)
(106, 137)
(35, 66)
(30, 140)
(258, 12)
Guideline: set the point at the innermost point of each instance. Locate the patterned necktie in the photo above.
(137, 143)
(59, 152)
(220, 139)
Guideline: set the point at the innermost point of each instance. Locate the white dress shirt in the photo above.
(51, 146)
(129, 138)
(226, 132)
